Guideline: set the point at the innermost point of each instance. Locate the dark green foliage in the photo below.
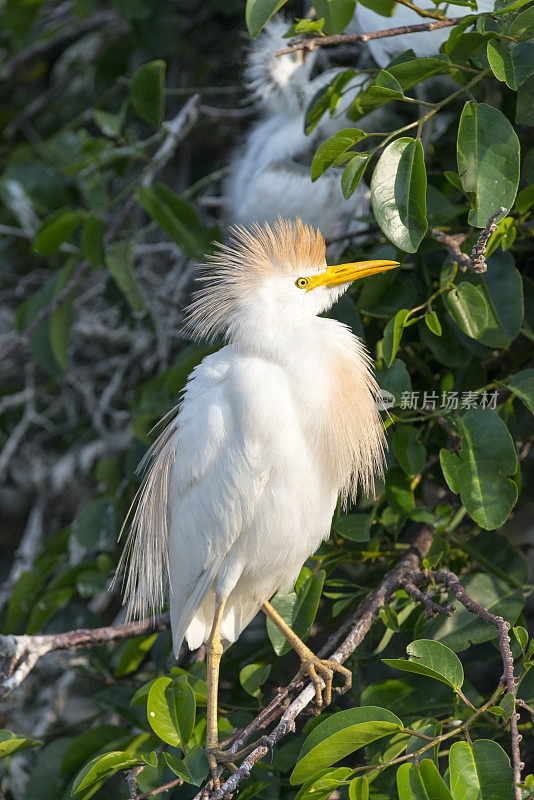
(83, 205)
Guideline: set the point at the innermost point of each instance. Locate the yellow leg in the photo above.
(214, 753)
(316, 668)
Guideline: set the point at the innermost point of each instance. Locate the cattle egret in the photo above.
(271, 430)
(270, 172)
(424, 44)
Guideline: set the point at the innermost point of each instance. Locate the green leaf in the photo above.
(93, 241)
(321, 785)
(511, 66)
(332, 148)
(11, 742)
(101, 768)
(337, 14)
(171, 710)
(398, 193)
(353, 173)
(488, 160)
(469, 309)
(464, 628)
(340, 735)
(393, 335)
(55, 230)
(421, 782)
(389, 617)
(521, 634)
(87, 743)
(355, 527)
(399, 491)
(409, 453)
(433, 324)
(253, 676)
(147, 92)
(386, 87)
(133, 653)
(327, 98)
(523, 25)
(522, 385)
(193, 768)
(432, 659)
(395, 380)
(259, 12)
(303, 612)
(359, 789)
(479, 473)
(178, 218)
(524, 110)
(120, 263)
(480, 772)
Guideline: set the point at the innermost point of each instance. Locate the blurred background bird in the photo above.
(272, 429)
(270, 172)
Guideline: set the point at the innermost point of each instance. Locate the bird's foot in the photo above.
(216, 756)
(317, 668)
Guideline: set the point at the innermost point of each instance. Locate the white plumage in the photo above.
(270, 172)
(424, 43)
(271, 430)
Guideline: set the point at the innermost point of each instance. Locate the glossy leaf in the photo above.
(133, 653)
(147, 92)
(359, 788)
(55, 230)
(522, 385)
(421, 782)
(321, 786)
(398, 193)
(479, 472)
(511, 65)
(469, 309)
(432, 659)
(355, 527)
(253, 676)
(178, 218)
(393, 335)
(11, 742)
(340, 735)
(259, 12)
(409, 453)
(353, 173)
(193, 767)
(101, 768)
(328, 151)
(480, 772)
(488, 160)
(336, 13)
(433, 324)
(303, 612)
(171, 710)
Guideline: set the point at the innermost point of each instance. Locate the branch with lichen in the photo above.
(477, 260)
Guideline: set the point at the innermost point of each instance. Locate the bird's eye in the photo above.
(301, 283)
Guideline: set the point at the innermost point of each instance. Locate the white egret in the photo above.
(270, 171)
(424, 43)
(271, 430)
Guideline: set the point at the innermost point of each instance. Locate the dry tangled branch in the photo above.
(476, 261)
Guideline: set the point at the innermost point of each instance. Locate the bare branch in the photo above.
(19, 654)
(432, 608)
(352, 38)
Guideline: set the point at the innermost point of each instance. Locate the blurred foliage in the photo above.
(86, 90)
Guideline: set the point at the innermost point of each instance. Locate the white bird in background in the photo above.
(271, 430)
(270, 172)
(424, 43)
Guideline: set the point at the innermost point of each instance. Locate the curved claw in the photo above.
(316, 668)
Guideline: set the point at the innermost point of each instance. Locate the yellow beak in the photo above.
(346, 273)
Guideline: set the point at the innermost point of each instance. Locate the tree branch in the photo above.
(352, 38)
(476, 261)
(19, 654)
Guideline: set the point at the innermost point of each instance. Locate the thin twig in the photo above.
(352, 38)
(476, 261)
(431, 608)
(450, 580)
